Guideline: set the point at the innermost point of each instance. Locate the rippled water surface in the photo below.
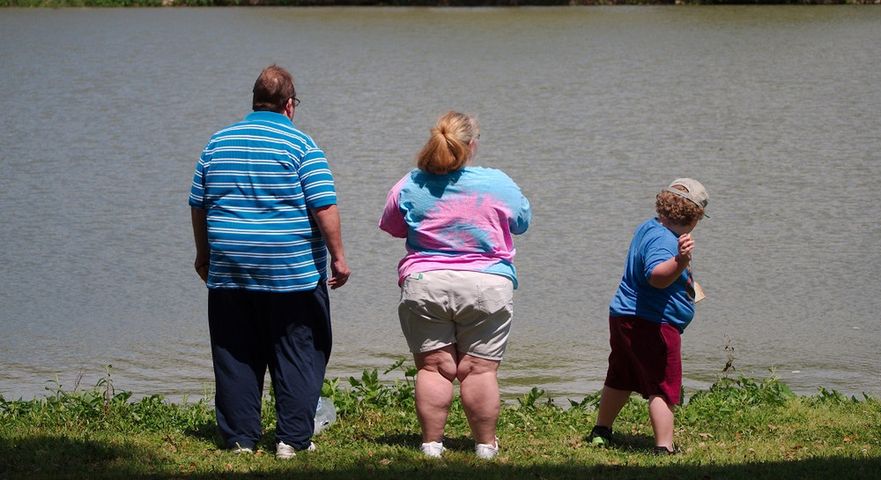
(591, 110)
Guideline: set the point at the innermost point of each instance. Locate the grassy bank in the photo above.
(738, 429)
(441, 3)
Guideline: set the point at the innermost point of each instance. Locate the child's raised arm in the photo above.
(665, 273)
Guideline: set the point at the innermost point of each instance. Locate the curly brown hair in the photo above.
(677, 209)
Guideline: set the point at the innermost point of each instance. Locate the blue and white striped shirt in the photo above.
(257, 180)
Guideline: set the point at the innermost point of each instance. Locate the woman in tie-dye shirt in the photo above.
(457, 278)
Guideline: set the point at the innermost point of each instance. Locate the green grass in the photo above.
(452, 3)
(738, 429)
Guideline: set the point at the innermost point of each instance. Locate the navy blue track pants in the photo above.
(289, 333)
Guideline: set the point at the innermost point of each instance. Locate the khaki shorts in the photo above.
(469, 309)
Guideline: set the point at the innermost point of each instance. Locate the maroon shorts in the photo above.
(646, 358)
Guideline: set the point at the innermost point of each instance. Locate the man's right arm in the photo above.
(200, 235)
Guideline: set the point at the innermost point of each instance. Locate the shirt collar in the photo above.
(267, 116)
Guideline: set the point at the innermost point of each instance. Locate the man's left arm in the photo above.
(328, 219)
(320, 195)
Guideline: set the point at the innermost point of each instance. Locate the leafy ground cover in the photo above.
(740, 428)
(404, 3)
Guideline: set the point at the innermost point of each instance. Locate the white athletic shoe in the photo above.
(285, 451)
(433, 449)
(486, 451)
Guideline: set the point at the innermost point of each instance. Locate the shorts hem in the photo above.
(481, 355)
(419, 351)
(642, 394)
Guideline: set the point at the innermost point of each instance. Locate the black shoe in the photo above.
(600, 436)
(661, 451)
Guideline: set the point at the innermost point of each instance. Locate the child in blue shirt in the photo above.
(652, 306)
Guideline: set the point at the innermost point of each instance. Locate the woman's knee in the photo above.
(441, 361)
(470, 365)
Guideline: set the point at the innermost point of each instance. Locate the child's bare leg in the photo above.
(661, 415)
(611, 402)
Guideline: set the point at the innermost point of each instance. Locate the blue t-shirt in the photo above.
(257, 180)
(653, 244)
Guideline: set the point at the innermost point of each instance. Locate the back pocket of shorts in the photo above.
(414, 291)
(495, 294)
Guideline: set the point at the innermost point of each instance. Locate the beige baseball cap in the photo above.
(695, 192)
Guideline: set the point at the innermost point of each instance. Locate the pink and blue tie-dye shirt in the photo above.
(459, 221)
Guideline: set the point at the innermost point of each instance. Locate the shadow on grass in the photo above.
(51, 457)
(412, 441)
(55, 457)
(634, 443)
(829, 468)
(205, 431)
(622, 442)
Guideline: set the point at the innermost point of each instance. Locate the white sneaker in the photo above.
(285, 451)
(432, 449)
(486, 451)
(239, 450)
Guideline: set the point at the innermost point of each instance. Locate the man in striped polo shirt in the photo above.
(264, 219)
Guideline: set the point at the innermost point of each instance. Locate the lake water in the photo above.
(591, 110)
